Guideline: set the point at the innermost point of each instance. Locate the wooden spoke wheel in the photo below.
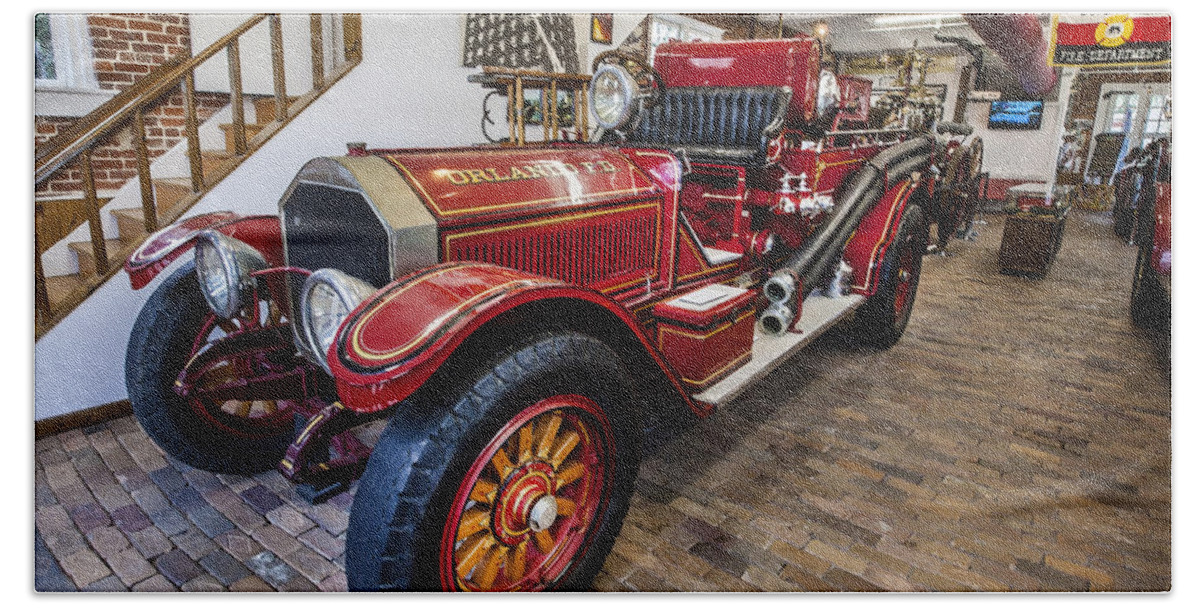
(219, 425)
(882, 319)
(512, 477)
(252, 418)
(958, 198)
(905, 282)
(529, 500)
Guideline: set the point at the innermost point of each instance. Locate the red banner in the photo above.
(1118, 40)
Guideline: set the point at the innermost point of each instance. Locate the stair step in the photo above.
(87, 260)
(251, 131)
(131, 224)
(63, 288)
(213, 159)
(170, 190)
(264, 109)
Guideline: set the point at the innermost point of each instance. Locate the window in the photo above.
(1122, 112)
(1158, 119)
(43, 49)
(63, 77)
(664, 28)
(62, 52)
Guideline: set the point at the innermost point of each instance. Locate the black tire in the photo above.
(159, 346)
(403, 531)
(881, 320)
(1149, 307)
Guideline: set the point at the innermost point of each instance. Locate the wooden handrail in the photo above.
(63, 148)
(128, 110)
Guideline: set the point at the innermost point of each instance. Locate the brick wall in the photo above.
(126, 47)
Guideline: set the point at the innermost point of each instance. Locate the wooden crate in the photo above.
(1030, 243)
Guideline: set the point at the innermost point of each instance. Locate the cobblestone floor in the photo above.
(1017, 438)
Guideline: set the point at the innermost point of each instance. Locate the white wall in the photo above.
(409, 91)
(1025, 155)
(254, 50)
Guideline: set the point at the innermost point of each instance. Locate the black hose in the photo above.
(865, 187)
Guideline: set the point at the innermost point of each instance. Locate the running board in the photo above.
(818, 314)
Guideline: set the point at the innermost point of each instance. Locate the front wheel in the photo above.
(210, 428)
(521, 484)
(882, 319)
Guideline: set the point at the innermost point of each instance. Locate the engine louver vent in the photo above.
(592, 252)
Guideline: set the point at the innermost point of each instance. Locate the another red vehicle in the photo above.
(1150, 298)
(521, 316)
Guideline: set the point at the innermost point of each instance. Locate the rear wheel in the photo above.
(1148, 305)
(882, 319)
(521, 484)
(215, 433)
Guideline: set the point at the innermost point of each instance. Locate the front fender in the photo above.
(261, 232)
(394, 342)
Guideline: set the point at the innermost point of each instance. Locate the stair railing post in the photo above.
(581, 117)
(520, 104)
(545, 114)
(352, 37)
(233, 53)
(99, 247)
(41, 295)
(318, 50)
(192, 129)
(553, 117)
(149, 210)
(277, 68)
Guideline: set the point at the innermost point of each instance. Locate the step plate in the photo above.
(819, 314)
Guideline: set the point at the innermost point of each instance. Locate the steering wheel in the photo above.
(643, 73)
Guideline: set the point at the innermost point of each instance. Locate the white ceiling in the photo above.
(876, 32)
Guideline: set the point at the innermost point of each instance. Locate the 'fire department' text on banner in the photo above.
(1118, 40)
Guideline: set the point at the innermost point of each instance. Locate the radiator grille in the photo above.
(588, 252)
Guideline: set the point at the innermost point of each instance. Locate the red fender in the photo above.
(395, 341)
(261, 232)
(865, 250)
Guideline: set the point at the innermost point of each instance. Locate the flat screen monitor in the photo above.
(1015, 115)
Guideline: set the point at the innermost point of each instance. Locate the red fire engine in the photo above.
(521, 315)
(1150, 298)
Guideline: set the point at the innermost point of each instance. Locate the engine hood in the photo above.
(476, 185)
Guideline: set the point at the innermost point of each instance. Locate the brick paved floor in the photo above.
(1018, 437)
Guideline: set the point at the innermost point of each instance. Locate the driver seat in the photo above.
(724, 125)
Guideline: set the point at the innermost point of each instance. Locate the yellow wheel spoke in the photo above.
(501, 462)
(564, 447)
(270, 407)
(483, 491)
(566, 506)
(525, 447)
(241, 409)
(545, 541)
(548, 437)
(227, 326)
(473, 550)
(274, 313)
(515, 569)
(487, 574)
(473, 522)
(568, 475)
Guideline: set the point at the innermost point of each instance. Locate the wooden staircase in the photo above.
(163, 199)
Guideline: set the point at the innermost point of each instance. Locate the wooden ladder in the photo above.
(163, 199)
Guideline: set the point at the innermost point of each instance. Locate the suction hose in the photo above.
(808, 264)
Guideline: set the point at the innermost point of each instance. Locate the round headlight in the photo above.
(224, 266)
(326, 300)
(611, 93)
